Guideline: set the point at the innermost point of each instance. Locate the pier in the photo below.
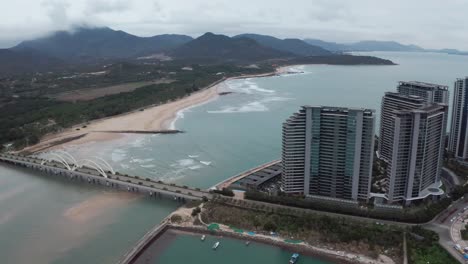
(92, 172)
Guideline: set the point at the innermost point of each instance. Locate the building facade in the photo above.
(458, 140)
(328, 152)
(431, 93)
(412, 144)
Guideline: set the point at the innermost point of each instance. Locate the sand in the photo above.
(153, 118)
(160, 117)
(93, 207)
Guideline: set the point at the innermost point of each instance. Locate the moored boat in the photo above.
(203, 238)
(294, 258)
(216, 245)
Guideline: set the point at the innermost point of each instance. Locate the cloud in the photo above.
(56, 10)
(429, 23)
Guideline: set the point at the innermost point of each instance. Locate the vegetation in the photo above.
(313, 228)
(458, 168)
(225, 192)
(421, 214)
(423, 248)
(196, 211)
(25, 118)
(175, 218)
(464, 233)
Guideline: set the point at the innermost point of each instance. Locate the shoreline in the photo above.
(298, 248)
(171, 230)
(154, 117)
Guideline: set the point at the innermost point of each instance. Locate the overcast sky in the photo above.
(428, 23)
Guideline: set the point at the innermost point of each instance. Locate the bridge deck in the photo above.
(118, 179)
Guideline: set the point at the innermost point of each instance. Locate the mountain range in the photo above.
(97, 45)
(374, 45)
(90, 43)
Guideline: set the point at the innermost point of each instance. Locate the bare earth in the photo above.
(152, 118)
(93, 93)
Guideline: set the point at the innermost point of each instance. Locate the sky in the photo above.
(428, 23)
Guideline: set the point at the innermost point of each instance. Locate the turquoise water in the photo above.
(230, 251)
(51, 221)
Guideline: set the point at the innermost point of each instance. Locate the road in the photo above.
(443, 226)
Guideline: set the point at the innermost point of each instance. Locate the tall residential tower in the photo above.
(328, 151)
(431, 93)
(412, 144)
(458, 142)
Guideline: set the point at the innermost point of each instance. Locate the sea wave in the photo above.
(247, 86)
(256, 106)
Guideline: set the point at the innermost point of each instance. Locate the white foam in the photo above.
(184, 163)
(193, 156)
(118, 155)
(207, 163)
(148, 166)
(256, 106)
(248, 87)
(276, 99)
(195, 167)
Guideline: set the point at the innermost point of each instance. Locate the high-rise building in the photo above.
(431, 93)
(458, 142)
(412, 144)
(328, 151)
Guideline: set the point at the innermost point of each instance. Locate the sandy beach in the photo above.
(160, 117)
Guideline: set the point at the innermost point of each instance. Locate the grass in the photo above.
(434, 254)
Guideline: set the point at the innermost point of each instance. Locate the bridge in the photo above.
(98, 171)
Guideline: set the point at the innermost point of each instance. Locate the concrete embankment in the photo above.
(143, 243)
(231, 180)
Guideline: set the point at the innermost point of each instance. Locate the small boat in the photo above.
(247, 243)
(193, 156)
(294, 258)
(203, 238)
(207, 163)
(216, 245)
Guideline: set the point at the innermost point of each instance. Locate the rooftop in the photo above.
(424, 85)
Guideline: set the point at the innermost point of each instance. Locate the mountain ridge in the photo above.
(215, 47)
(291, 45)
(86, 43)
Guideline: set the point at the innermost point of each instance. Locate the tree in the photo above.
(196, 211)
(270, 226)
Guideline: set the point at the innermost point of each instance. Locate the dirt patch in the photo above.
(93, 93)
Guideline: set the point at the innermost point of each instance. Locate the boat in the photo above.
(203, 238)
(207, 163)
(216, 245)
(247, 243)
(294, 258)
(193, 156)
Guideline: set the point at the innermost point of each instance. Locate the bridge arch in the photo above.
(55, 157)
(68, 155)
(93, 165)
(105, 163)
